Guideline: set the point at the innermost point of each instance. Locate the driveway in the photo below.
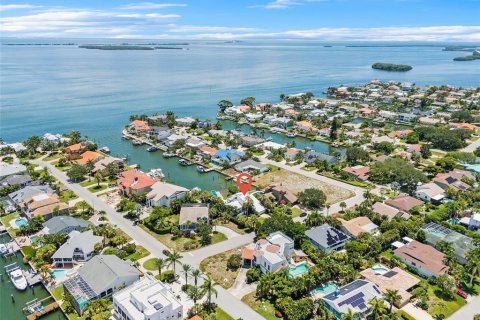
(229, 233)
(468, 311)
(472, 146)
(240, 288)
(226, 301)
(417, 313)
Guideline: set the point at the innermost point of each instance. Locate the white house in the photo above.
(147, 299)
(271, 254)
(162, 194)
(79, 247)
(430, 192)
(238, 199)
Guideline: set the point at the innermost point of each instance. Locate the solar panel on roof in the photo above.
(376, 289)
(390, 274)
(362, 306)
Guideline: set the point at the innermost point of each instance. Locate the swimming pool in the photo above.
(474, 167)
(20, 222)
(35, 239)
(59, 274)
(326, 289)
(379, 269)
(297, 270)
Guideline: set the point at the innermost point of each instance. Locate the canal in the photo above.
(10, 310)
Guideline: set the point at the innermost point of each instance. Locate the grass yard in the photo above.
(150, 264)
(96, 188)
(53, 157)
(264, 308)
(140, 252)
(439, 304)
(222, 315)
(57, 292)
(216, 267)
(88, 183)
(296, 212)
(6, 219)
(67, 195)
(232, 226)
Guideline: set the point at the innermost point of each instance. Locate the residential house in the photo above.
(19, 196)
(404, 202)
(157, 119)
(208, 151)
(402, 134)
(327, 238)
(191, 215)
(414, 149)
(185, 121)
(359, 172)
(389, 212)
(324, 132)
(425, 259)
(305, 126)
(311, 156)
(354, 296)
(135, 181)
(230, 156)
(281, 193)
(270, 145)
(102, 164)
(11, 169)
(147, 299)
(392, 279)
(463, 126)
(430, 192)
(387, 114)
(454, 180)
(162, 194)
(461, 244)
(139, 126)
(21, 180)
(291, 154)
(407, 117)
(55, 138)
(358, 225)
(43, 204)
(88, 156)
(251, 165)
(472, 222)
(64, 224)
(271, 254)
(79, 247)
(194, 143)
(100, 277)
(250, 141)
(238, 199)
(74, 151)
(252, 117)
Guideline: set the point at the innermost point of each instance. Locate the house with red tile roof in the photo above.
(463, 125)
(400, 133)
(207, 150)
(88, 156)
(73, 151)
(139, 126)
(135, 181)
(359, 172)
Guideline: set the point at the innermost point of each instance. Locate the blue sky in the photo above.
(330, 20)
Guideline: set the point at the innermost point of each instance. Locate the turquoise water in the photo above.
(380, 269)
(34, 239)
(59, 274)
(20, 222)
(453, 221)
(326, 289)
(298, 270)
(474, 167)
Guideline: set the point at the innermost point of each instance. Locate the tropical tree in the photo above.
(196, 274)
(343, 205)
(209, 287)
(350, 315)
(195, 294)
(392, 298)
(160, 264)
(473, 265)
(98, 309)
(98, 177)
(174, 258)
(378, 307)
(186, 269)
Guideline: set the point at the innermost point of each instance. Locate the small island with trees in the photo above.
(391, 67)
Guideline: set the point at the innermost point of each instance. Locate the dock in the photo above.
(36, 309)
(32, 278)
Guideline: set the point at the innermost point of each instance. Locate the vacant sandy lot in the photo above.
(298, 183)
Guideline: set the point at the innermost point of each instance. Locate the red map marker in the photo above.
(244, 187)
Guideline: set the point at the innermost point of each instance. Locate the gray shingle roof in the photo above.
(60, 223)
(326, 235)
(85, 241)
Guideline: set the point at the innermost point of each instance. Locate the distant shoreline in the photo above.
(391, 67)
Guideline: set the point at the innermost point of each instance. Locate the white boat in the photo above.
(291, 135)
(168, 154)
(201, 168)
(137, 142)
(18, 279)
(184, 162)
(105, 149)
(156, 173)
(3, 249)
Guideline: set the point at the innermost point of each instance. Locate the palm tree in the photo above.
(195, 294)
(209, 286)
(368, 196)
(392, 297)
(473, 265)
(343, 205)
(195, 274)
(327, 205)
(174, 258)
(349, 315)
(378, 307)
(186, 268)
(98, 177)
(160, 264)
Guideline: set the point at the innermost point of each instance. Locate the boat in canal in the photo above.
(18, 279)
(168, 154)
(137, 142)
(291, 134)
(201, 169)
(152, 149)
(3, 249)
(105, 149)
(184, 162)
(156, 173)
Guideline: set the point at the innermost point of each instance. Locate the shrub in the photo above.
(253, 275)
(168, 276)
(234, 262)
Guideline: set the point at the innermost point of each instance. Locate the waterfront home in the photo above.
(282, 122)
(425, 259)
(73, 151)
(311, 156)
(64, 224)
(185, 121)
(324, 132)
(354, 296)
(55, 138)
(135, 181)
(17, 146)
(43, 204)
(21, 180)
(271, 254)
(230, 156)
(359, 172)
(19, 196)
(428, 121)
(102, 164)
(194, 143)
(291, 154)
(88, 156)
(79, 247)
(162, 194)
(221, 133)
(252, 117)
(100, 277)
(392, 279)
(147, 299)
(157, 119)
(365, 111)
(387, 114)
(327, 238)
(158, 131)
(250, 141)
(191, 215)
(251, 165)
(430, 192)
(461, 244)
(238, 199)
(404, 202)
(389, 212)
(163, 135)
(281, 194)
(171, 139)
(270, 145)
(208, 151)
(454, 180)
(305, 126)
(11, 169)
(139, 127)
(358, 225)
(204, 124)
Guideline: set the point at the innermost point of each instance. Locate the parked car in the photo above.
(303, 214)
(462, 293)
(166, 252)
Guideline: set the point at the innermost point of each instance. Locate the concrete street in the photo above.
(468, 311)
(472, 146)
(225, 300)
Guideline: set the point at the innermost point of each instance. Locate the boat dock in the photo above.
(32, 278)
(12, 247)
(36, 309)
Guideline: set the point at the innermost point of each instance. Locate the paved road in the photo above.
(226, 301)
(472, 147)
(468, 311)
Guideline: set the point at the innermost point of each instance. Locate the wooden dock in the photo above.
(48, 308)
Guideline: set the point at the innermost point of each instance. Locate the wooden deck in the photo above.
(48, 308)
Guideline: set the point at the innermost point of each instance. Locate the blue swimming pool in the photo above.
(297, 270)
(474, 167)
(20, 222)
(326, 289)
(380, 269)
(59, 274)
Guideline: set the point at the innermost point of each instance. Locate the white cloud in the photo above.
(151, 5)
(5, 7)
(282, 4)
(194, 29)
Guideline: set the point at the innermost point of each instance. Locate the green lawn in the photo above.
(87, 183)
(150, 264)
(67, 196)
(222, 315)
(296, 212)
(6, 219)
(53, 157)
(263, 307)
(387, 254)
(96, 188)
(442, 305)
(140, 253)
(58, 292)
